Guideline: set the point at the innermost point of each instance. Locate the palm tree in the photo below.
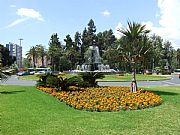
(134, 46)
(41, 53)
(32, 53)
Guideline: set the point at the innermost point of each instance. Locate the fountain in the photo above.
(93, 62)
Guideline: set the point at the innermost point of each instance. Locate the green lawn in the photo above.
(28, 77)
(140, 77)
(26, 111)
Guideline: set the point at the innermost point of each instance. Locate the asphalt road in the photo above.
(13, 80)
(174, 81)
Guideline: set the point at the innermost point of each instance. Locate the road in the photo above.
(174, 81)
(13, 80)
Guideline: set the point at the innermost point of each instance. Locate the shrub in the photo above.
(158, 70)
(53, 81)
(60, 82)
(166, 72)
(66, 82)
(42, 79)
(90, 77)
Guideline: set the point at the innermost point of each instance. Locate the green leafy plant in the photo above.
(42, 80)
(90, 78)
(53, 81)
(66, 82)
(158, 70)
(60, 82)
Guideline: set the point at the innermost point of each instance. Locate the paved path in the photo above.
(13, 80)
(175, 81)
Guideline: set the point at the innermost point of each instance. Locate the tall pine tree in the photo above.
(55, 51)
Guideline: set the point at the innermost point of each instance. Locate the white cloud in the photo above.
(31, 13)
(106, 13)
(157, 15)
(169, 21)
(12, 6)
(25, 14)
(16, 22)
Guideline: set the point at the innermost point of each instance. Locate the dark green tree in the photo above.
(73, 56)
(72, 52)
(77, 47)
(55, 51)
(111, 57)
(168, 52)
(157, 56)
(105, 40)
(109, 39)
(91, 30)
(84, 44)
(7, 60)
(178, 57)
(3, 76)
(68, 42)
(100, 43)
(65, 63)
(77, 41)
(88, 38)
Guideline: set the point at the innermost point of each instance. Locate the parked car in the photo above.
(40, 72)
(32, 72)
(21, 73)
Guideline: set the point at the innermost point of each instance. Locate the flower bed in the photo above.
(47, 89)
(114, 98)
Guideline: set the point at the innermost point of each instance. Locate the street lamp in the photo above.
(20, 52)
(20, 40)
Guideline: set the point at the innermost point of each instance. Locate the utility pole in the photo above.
(20, 52)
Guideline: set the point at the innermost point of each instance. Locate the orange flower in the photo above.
(112, 98)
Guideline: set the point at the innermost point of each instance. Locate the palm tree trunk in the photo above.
(42, 60)
(134, 83)
(34, 65)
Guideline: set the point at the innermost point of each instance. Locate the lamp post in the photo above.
(20, 52)
(20, 41)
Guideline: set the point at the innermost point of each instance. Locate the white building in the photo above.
(15, 50)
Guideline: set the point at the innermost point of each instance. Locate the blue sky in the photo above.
(36, 20)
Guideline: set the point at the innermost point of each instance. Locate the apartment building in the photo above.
(15, 50)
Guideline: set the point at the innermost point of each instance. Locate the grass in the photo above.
(28, 77)
(140, 77)
(26, 111)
